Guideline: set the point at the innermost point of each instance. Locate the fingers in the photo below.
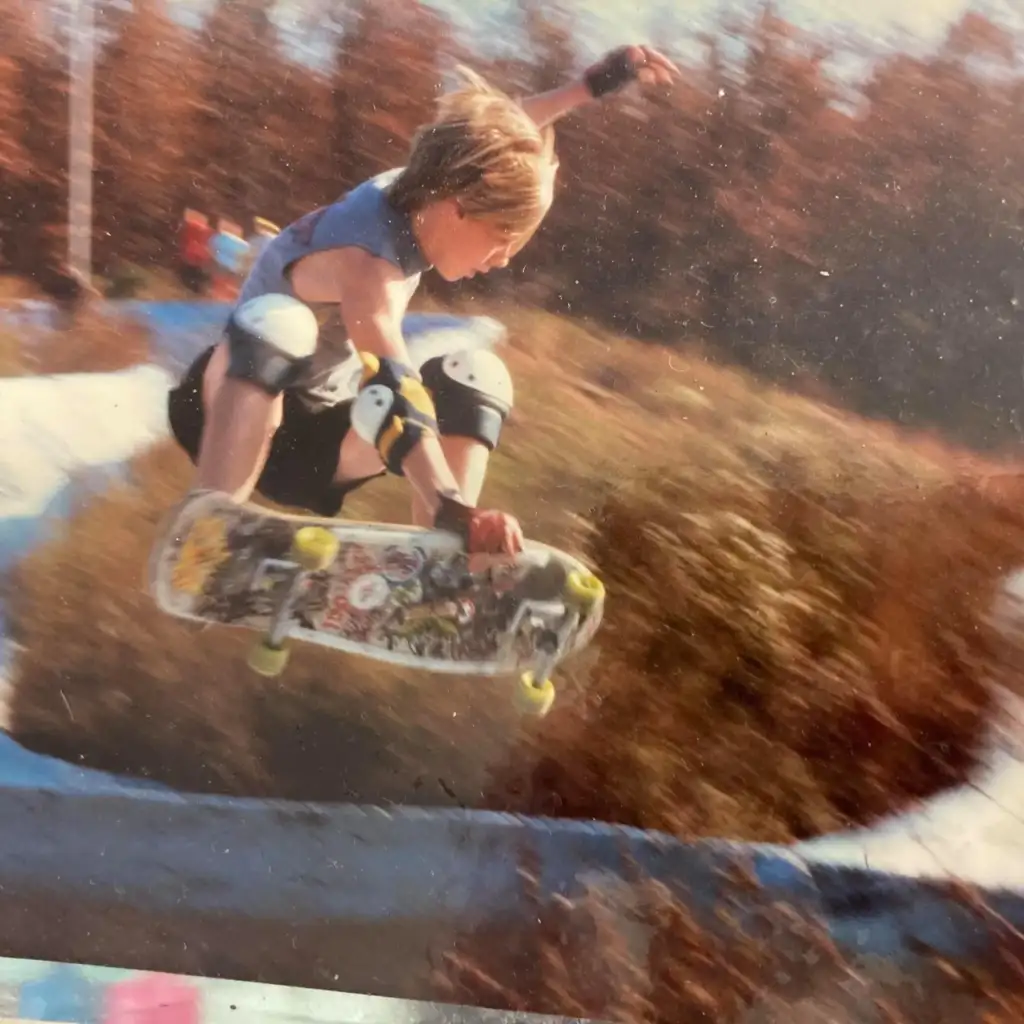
(653, 67)
(500, 548)
(481, 563)
(513, 540)
(507, 539)
(497, 534)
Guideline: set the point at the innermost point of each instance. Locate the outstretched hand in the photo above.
(626, 64)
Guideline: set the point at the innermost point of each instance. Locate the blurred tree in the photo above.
(918, 315)
(550, 44)
(389, 63)
(15, 161)
(262, 132)
(145, 102)
(876, 248)
(33, 141)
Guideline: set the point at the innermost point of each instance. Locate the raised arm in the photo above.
(614, 70)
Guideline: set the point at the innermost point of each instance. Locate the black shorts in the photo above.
(303, 459)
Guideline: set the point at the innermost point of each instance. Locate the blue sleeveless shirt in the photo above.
(362, 218)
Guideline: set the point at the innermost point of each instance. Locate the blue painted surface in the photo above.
(25, 769)
(294, 862)
(182, 329)
(62, 994)
(81, 832)
(19, 534)
(433, 873)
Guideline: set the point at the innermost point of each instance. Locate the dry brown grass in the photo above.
(95, 344)
(585, 957)
(12, 356)
(794, 638)
(107, 679)
(778, 660)
(602, 955)
(637, 953)
(14, 287)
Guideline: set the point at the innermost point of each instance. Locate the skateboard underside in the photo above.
(397, 594)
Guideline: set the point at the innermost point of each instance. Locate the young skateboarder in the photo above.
(311, 391)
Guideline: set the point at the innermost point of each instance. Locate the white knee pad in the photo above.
(473, 393)
(482, 371)
(271, 341)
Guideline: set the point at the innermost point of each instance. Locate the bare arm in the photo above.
(372, 294)
(468, 461)
(373, 299)
(546, 107)
(615, 69)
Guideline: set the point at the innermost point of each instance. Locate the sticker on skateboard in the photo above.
(397, 594)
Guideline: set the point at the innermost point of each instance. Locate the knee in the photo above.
(271, 341)
(473, 394)
(276, 416)
(217, 378)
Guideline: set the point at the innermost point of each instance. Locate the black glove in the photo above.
(613, 71)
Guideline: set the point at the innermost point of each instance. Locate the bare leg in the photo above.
(357, 459)
(241, 420)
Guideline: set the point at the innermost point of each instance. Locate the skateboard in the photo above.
(398, 594)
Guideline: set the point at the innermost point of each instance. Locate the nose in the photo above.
(500, 257)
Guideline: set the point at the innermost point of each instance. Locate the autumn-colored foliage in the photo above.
(866, 245)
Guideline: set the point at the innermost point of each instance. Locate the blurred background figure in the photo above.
(194, 252)
(263, 231)
(230, 253)
(68, 290)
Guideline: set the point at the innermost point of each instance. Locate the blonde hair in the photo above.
(484, 149)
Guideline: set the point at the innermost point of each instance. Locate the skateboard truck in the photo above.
(536, 691)
(313, 549)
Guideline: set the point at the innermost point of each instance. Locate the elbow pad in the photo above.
(393, 410)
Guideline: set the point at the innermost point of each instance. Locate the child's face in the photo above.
(471, 246)
(477, 245)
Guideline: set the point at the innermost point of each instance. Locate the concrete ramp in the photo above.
(396, 887)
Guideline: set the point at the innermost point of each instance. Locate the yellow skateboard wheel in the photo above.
(267, 661)
(584, 588)
(535, 698)
(314, 548)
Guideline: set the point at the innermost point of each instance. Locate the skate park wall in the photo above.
(405, 882)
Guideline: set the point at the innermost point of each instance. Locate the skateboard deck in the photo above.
(398, 594)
